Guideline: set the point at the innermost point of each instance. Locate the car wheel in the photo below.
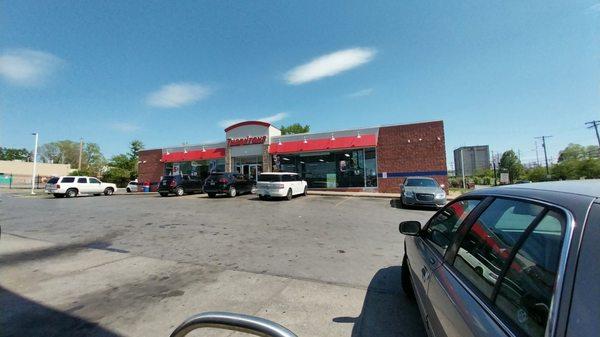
(59, 195)
(405, 279)
(232, 192)
(71, 193)
(305, 193)
(108, 191)
(164, 194)
(179, 191)
(253, 190)
(128, 190)
(211, 195)
(289, 195)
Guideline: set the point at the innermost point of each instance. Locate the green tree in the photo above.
(572, 152)
(123, 167)
(537, 173)
(294, 129)
(67, 152)
(511, 163)
(14, 154)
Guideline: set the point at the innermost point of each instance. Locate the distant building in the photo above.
(475, 158)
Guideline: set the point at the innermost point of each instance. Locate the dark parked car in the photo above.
(179, 185)
(228, 183)
(517, 260)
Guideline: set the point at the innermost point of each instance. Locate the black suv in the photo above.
(179, 185)
(231, 184)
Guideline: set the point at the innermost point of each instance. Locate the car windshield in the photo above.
(269, 177)
(417, 182)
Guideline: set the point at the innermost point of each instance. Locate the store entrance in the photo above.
(249, 170)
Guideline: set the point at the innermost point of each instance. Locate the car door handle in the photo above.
(431, 260)
(424, 273)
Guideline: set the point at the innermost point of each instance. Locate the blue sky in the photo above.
(497, 73)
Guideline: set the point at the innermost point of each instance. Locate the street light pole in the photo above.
(33, 174)
(80, 151)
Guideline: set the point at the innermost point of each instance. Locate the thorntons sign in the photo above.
(246, 141)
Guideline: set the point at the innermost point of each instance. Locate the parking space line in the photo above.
(341, 202)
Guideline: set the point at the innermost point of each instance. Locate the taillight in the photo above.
(223, 180)
(57, 186)
(278, 186)
(173, 183)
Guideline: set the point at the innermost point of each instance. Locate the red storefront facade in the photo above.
(365, 159)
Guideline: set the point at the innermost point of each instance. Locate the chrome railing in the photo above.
(234, 322)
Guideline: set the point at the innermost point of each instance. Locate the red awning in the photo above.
(194, 155)
(323, 144)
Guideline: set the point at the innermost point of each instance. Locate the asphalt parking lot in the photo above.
(322, 266)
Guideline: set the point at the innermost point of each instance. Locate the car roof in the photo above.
(419, 177)
(589, 188)
(278, 173)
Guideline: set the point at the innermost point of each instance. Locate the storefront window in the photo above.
(198, 168)
(351, 168)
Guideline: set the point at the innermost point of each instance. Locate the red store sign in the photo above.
(246, 141)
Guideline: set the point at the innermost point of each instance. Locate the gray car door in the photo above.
(497, 276)
(430, 246)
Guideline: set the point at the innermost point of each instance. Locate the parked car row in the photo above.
(269, 184)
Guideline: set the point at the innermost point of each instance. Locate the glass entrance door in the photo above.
(249, 170)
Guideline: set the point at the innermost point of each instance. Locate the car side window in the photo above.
(525, 292)
(94, 181)
(486, 247)
(443, 226)
(82, 180)
(67, 180)
(286, 177)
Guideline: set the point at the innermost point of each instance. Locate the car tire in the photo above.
(261, 197)
(97, 194)
(71, 193)
(59, 195)
(405, 279)
(289, 195)
(305, 193)
(179, 191)
(211, 195)
(128, 190)
(164, 194)
(232, 192)
(109, 191)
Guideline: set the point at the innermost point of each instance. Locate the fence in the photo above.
(16, 181)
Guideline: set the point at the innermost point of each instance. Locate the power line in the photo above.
(543, 138)
(594, 124)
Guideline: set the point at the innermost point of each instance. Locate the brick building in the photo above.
(365, 159)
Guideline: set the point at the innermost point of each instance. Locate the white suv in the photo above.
(280, 184)
(71, 186)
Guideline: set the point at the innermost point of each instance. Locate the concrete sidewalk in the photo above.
(73, 290)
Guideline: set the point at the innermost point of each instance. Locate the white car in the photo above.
(72, 186)
(132, 186)
(280, 184)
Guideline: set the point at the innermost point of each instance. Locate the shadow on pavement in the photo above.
(28, 318)
(386, 310)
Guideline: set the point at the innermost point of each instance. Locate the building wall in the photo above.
(151, 168)
(25, 168)
(398, 158)
(475, 158)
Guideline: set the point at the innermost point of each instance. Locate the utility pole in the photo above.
(33, 174)
(80, 152)
(537, 156)
(494, 166)
(543, 138)
(594, 124)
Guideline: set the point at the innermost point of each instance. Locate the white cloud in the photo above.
(594, 8)
(269, 119)
(175, 95)
(329, 65)
(27, 67)
(124, 127)
(361, 93)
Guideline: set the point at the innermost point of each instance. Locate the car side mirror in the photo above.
(443, 186)
(410, 228)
